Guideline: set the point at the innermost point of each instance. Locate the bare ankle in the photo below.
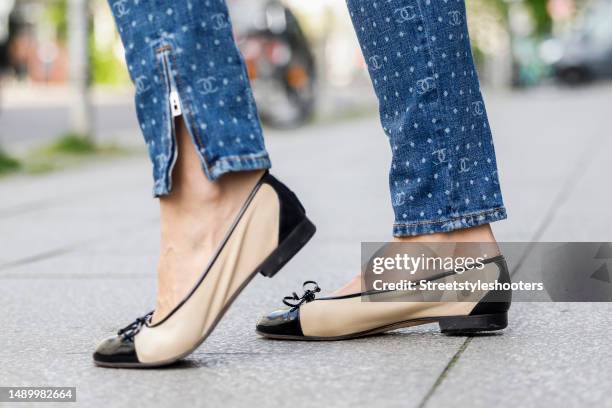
(200, 192)
(191, 188)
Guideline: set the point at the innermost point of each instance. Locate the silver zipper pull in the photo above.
(175, 104)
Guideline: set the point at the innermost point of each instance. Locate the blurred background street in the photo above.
(79, 230)
(71, 78)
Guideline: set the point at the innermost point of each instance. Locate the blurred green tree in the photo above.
(538, 10)
(56, 13)
(106, 68)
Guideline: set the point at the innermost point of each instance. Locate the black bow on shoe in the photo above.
(308, 296)
(132, 329)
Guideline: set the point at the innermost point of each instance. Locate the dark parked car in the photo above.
(587, 52)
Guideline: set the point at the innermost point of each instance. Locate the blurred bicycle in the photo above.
(279, 61)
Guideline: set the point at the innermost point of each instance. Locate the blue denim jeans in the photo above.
(183, 60)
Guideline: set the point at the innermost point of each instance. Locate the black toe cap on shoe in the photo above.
(281, 323)
(116, 350)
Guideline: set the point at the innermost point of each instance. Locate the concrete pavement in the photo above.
(78, 252)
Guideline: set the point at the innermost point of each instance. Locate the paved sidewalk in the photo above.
(114, 114)
(78, 252)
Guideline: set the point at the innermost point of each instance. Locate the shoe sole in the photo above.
(450, 325)
(286, 250)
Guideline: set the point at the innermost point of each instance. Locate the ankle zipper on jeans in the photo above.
(173, 96)
(175, 107)
(174, 103)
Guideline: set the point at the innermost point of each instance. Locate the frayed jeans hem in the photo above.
(222, 166)
(452, 224)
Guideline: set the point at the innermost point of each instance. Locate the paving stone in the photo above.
(78, 251)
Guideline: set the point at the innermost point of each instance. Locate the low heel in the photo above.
(287, 249)
(473, 324)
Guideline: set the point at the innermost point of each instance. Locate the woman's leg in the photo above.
(443, 175)
(184, 62)
(223, 218)
(198, 117)
(443, 180)
(195, 217)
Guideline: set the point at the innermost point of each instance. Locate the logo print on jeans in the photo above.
(207, 85)
(219, 21)
(456, 18)
(142, 84)
(425, 85)
(440, 156)
(121, 9)
(404, 14)
(478, 108)
(375, 62)
(464, 165)
(399, 199)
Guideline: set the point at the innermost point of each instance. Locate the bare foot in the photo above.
(194, 220)
(481, 234)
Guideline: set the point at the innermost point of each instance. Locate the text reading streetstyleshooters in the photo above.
(424, 285)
